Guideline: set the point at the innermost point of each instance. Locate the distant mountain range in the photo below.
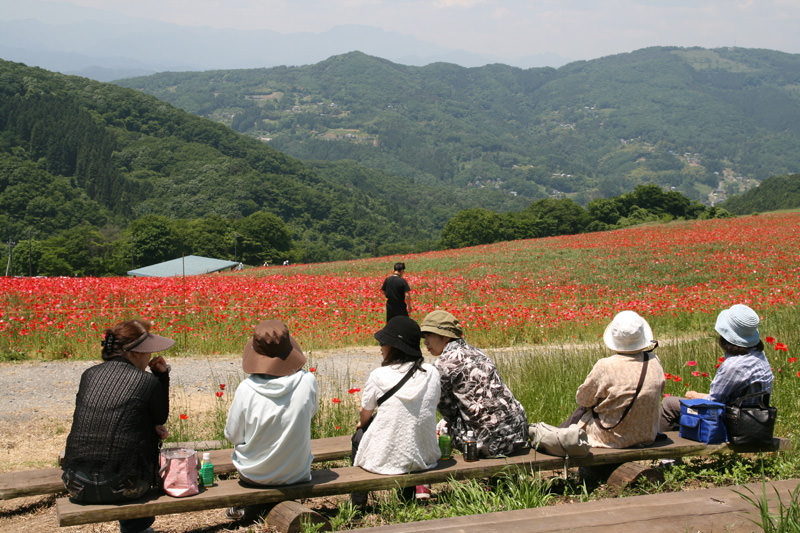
(106, 47)
(708, 123)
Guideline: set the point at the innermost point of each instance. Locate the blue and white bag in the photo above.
(703, 420)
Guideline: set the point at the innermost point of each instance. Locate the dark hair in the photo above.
(123, 338)
(399, 267)
(733, 349)
(396, 356)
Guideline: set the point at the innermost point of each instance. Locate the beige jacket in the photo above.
(609, 388)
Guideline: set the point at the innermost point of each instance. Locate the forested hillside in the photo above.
(709, 123)
(777, 192)
(96, 179)
(93, 177)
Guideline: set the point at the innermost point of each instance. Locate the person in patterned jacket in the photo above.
(474, 397)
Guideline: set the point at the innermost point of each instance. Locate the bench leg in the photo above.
(620, 474)
(627, 473)
(287, 516)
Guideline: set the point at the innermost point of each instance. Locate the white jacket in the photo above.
(402, 436)
(269, 425)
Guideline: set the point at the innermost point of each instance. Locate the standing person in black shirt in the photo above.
(120, 410)
(396, 290)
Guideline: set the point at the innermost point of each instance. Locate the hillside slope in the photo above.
(77, 152)
(702, 121)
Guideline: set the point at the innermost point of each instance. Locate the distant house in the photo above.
(191, 265)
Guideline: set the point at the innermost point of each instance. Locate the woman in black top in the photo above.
(112, 448)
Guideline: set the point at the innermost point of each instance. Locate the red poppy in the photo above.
(667, 375)
(716, 366)
(312, 369)
(221, 386)
(792, 359)
(353, 391)
(666, 394)
(696, 374)
(677, 379)
(769, 340)
(691, 363)
(184, 416)
(336, 400)
(721, 359)
(798, 374)
(704, 374)
(337, 427)
(219, 394)
(781, 346)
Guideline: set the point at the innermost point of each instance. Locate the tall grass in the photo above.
(786, 519)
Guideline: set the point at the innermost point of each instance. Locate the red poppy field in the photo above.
(678, 275)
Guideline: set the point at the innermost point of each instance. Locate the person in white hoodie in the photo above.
(269, 421)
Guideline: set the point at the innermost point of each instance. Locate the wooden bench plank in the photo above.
(48, 480)
(715, 509)
(327, 482)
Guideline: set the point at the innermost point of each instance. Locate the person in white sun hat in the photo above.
(619, 400)
(744, 370)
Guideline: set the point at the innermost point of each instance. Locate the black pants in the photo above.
(102, 487)
(395, 309)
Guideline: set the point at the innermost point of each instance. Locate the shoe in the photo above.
(422, 492)
(234, 513)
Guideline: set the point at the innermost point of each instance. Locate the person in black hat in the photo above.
(103, 464)
(401, 437)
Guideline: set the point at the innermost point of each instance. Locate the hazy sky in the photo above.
(575, 29)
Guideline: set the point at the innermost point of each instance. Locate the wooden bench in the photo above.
(714, 509)
(327, 482)
(48, 480)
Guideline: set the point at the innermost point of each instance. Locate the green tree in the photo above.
(264, 238)
(472, 227)
(558, 216)
(212, 236)
(154, 240)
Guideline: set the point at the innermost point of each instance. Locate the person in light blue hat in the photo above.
(745, 369)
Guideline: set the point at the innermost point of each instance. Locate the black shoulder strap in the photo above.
(388, 394)
(762, 396)
(635, 394)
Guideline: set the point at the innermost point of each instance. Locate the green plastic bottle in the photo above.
(207, 471)
(444, 444)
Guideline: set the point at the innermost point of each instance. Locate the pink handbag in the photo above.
(178, 472)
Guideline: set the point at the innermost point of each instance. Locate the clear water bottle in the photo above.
(470, 447)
